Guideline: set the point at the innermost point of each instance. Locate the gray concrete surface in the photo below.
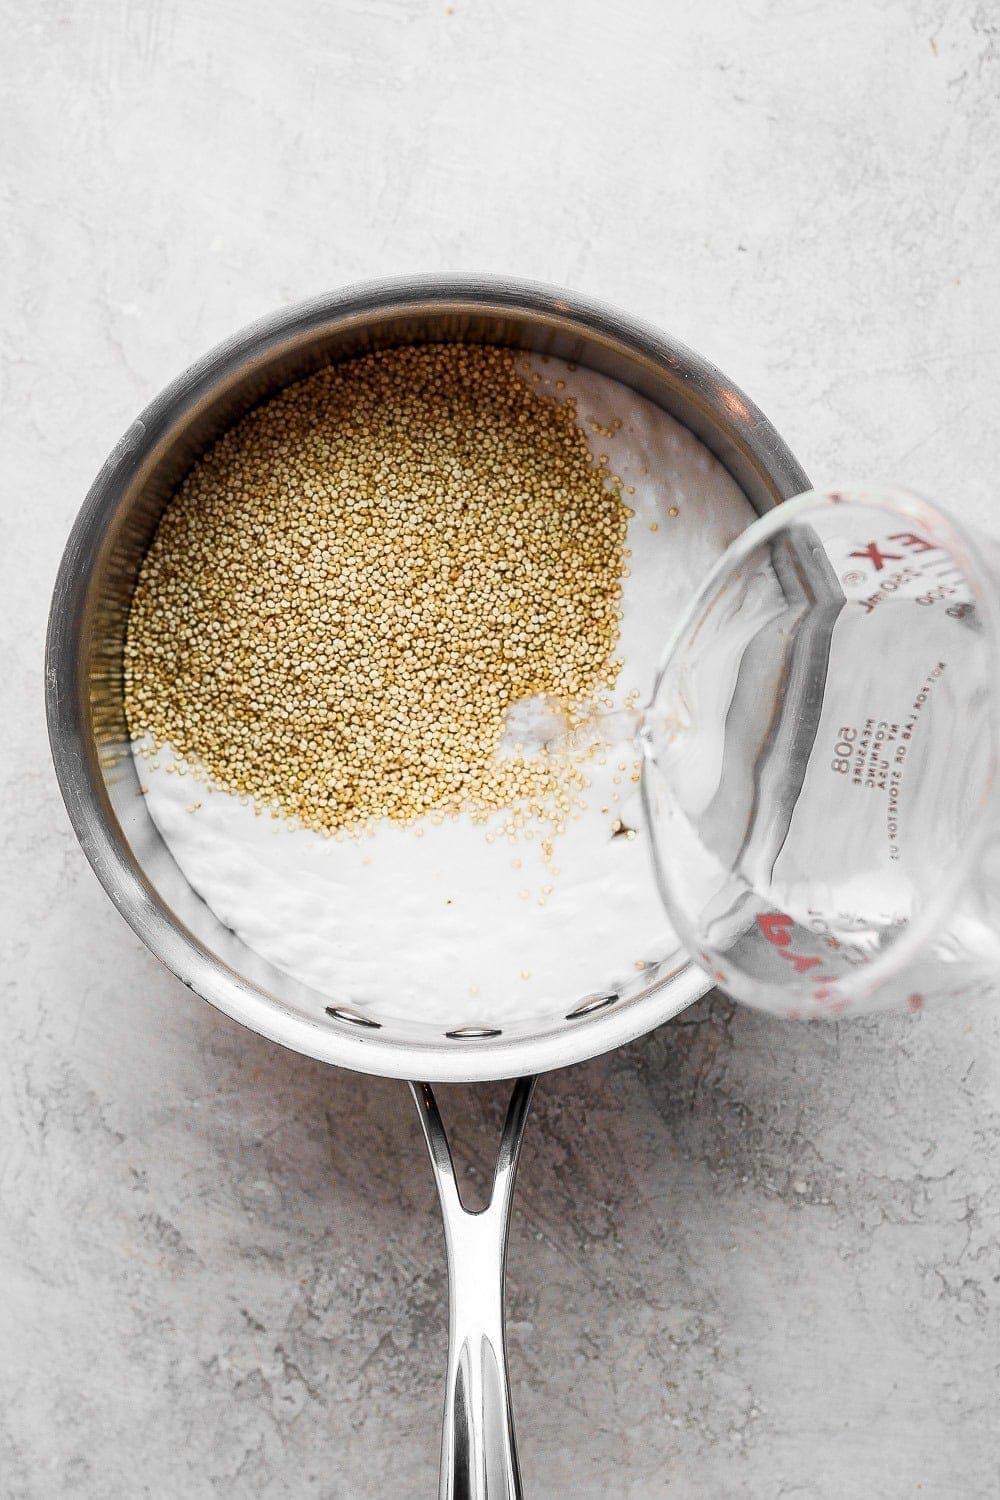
(749, 1259)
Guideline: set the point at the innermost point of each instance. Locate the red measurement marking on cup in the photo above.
(915, 566)
(911, 540)
(801, 962)
(874, 554)
(774, 925)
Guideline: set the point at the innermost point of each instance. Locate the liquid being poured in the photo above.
(544, 724)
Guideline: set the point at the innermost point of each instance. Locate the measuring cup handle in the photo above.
(478, 1452)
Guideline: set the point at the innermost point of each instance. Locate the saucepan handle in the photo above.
(478, 1453)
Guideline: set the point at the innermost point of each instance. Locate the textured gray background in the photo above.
(748, 1259)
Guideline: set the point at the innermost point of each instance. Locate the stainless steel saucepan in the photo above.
(90, 748)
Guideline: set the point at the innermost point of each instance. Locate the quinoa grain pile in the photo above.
(353, 585)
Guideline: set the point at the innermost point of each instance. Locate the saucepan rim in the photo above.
(343, 1041)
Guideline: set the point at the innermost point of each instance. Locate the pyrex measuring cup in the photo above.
(820, 759)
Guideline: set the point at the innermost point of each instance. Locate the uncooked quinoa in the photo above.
(353, 585)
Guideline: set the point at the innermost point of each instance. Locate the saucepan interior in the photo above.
(84, 679)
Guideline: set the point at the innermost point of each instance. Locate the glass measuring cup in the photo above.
(820, 759)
